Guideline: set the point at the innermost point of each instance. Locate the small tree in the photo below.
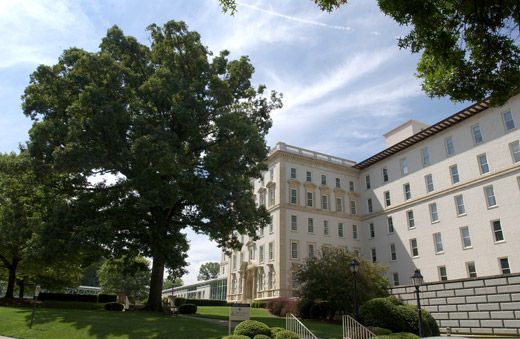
(328, 278)
(127, 274)
(208, 271)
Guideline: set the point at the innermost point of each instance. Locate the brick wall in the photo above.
(489, 305)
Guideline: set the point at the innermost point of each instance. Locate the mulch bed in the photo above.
(16, 302)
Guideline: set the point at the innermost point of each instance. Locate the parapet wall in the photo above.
(487, 305)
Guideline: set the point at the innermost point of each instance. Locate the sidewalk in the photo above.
(213, 321)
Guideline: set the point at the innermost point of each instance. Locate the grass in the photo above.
(51, 322)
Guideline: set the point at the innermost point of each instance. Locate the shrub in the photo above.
(234, 336)
(409, 314)
(400, 335)
(68, 297)
(381, 312)
(106, 298)
(180, 301)
(187, 309)
(164, 300)
(275, 330)
(114, 307)
(434, 327)
(286, 335)
(275, 305)
(379, 330)
(208, 302)
(290, 306)
(262, 336)
(305, 309)
(320, 311)
(250, 328)
(259, 304)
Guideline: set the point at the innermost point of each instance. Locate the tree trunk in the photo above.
(21, 287)
(12, 279)
(156, 283)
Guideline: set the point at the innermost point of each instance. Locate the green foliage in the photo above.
(208, 271)
(276, 330)
(283, 305)
(180, 301)
(259, 304)
(127, 274)
(169, 284)
(106, 298)
(261, 336)
(236, 336)
(182, 132)
(205, 302)
(188, 309)
(400, 335)
(379, 331)
(305, 308)
(382, 312)
(286, 335)
(114, 307)
(328, 278)
(250, 328)
(409, 314)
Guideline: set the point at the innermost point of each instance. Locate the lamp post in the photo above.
(417, 281)
(354, 268)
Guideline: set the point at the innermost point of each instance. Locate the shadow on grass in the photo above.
(69, 323)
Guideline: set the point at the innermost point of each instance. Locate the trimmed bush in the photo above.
(409, 314)
(379, 331)
(68, 297)
(259, 304)
(400, 335)
(188, 309)
(275, 330)
(234, 336)
(180, 301)
(114, 307)
(262, 336)
(381, 312)
(106, 298)
(290, 306)
(250, 328)
(305, 308)
(286, 335)
(275, 305)
(320, 311)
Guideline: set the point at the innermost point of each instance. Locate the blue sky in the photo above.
(344, 80)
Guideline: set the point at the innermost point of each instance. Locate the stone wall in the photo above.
(488, 305)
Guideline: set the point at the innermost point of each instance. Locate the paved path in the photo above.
(209, 320)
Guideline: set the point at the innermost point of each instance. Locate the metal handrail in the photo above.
(354, 330)
(293, 324)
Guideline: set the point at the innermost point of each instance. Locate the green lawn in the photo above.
(320, 329)
(83, 323)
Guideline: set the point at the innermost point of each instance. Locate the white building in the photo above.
(442, 198)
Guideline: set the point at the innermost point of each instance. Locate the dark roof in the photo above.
(426, 133)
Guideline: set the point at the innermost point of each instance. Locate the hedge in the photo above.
(259, 304)
(250, 328)
(261, 336)
(234, 336)
(188, 309)
(286, 335)
(106, 298)
(68, 297)
(114, 307)
(200, 302)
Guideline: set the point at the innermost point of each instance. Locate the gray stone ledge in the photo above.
(503, 315)
(508, 289)
(485, 290)
(467, 307)
(492, 323)
(499, 298)
(495, 282)
(488, 307)
(478, 315)
(476, 299)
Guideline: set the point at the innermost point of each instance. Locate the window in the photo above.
(369, 204)
(251, 253)
(271, 251)
(355, 234)
(437, 239)
(425, 157)
(294, 223)
(310, 225)
(459, 203)
(395, 279)
(497, 231)
(443, 276)
(490, 196)
(311, 251)
(293, 173)
(472, 270)
(294, 281)
(390, 223)
(262, 231)
(385, 174)
(483, 164)
(323, 180)
(515, 150)
(411, 221)
(271, 196)
(477, 136)
(262, 198)
(308, 176)
(374, 256)
(508, 121)
(339, 205)
(351, 187)
(450, 149)
(271, 226)
(466, 239)
(372, 231)
(429, 183)
(261, 254)
(504, 266)
(454, 172)
(260, 281)
(357, 252)
(294, 250)
(234, 262)
(326, 230)
(407, 192)
(393, 254)
(338, 183)
(294, 196)
(271, 174)
(310, 198)
(404, 167)
(324, 202)
(434, 216)
(353, 209)
(270, 280)
(414, 250)
(387, 198)
(341, 233)
(367, 181)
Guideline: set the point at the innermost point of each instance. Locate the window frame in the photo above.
(477, 135)
(323, 180)
(425, 156)
(297, 257)
(463, 237)
(293, 173)
(271, 251)
(434, 213)
(442, 277)
(512, 120)
(310, 225)
(414, 250)
(393, 252)
(261, 257)
(341, 230)
(410, 221)
(308, 176)
(513, 153)
(326, 228)
(353, 207)
(481, 165)
(351, 186)
(294, 197)
(448, 144)
(437, 243)
(496, 231)
(309, 199)
(488, 197)
(428, 180)
(371, 231)
(390, 225)
(324, 202)
(453, 175)
(339, 205)
(370, 207)
(407, 191)
(404, 166)
(355, 232)
(458, 205)
(384, 174)
(294, 222)
(388, 201)
(367, 182)
(501, 266)
(338, 182)
(468, 270)
(373, 254)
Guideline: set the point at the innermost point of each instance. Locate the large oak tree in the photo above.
(470, 48)
(181, 131)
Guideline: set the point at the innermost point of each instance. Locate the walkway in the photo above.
(209, 320)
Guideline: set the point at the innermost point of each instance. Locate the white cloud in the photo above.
(202, 250)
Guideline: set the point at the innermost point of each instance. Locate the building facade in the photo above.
(443, 198)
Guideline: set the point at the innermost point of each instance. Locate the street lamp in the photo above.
(417, 281)
(354, 268)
